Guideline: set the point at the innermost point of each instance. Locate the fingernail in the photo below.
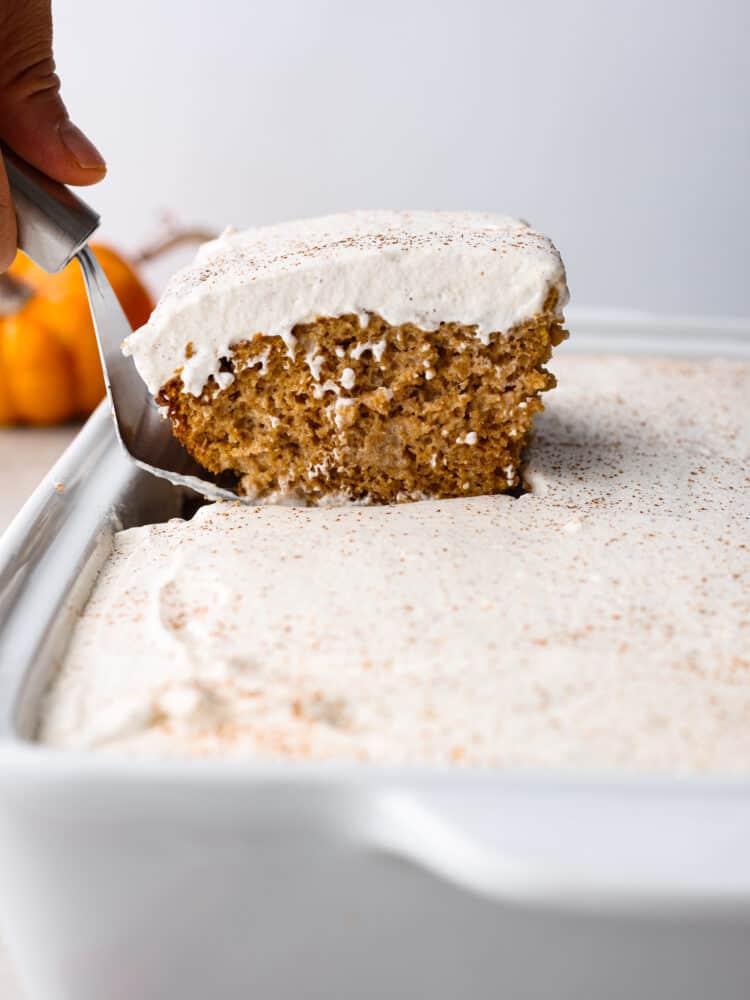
(83, 151)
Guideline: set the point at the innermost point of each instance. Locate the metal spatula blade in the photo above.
(54, 227)
(143, 432)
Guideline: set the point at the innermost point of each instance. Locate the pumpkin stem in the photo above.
(14, 294)
(175, 237)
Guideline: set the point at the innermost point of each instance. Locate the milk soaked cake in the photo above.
(368, 356)
(600, 620)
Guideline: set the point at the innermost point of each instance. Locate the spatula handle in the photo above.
(53, 223)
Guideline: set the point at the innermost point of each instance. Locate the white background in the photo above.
(619, 128)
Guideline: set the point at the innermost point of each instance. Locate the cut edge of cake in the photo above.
(375, 414)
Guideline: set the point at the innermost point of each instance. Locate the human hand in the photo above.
(33, 119)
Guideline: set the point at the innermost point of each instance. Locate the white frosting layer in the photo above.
(408, 267)
(602, 620)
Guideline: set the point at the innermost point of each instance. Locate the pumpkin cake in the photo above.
(599, 620)
(368, 356)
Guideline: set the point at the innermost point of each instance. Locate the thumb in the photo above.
(33, 119)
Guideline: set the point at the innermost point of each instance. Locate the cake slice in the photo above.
(368, 356)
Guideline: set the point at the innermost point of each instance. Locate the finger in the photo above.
(7, 222)
(33, 118)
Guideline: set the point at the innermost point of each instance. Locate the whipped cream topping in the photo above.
(601, 620)
(425, 268)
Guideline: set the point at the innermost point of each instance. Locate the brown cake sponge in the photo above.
(374, 413)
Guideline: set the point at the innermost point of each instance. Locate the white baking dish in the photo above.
(216, 880)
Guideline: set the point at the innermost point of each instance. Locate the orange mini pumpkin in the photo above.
(49, 362)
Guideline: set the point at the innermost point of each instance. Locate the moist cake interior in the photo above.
(378, 413)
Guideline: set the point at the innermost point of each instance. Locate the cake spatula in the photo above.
(54, 227)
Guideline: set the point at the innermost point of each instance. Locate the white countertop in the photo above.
(9, 988)
(26, 454)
